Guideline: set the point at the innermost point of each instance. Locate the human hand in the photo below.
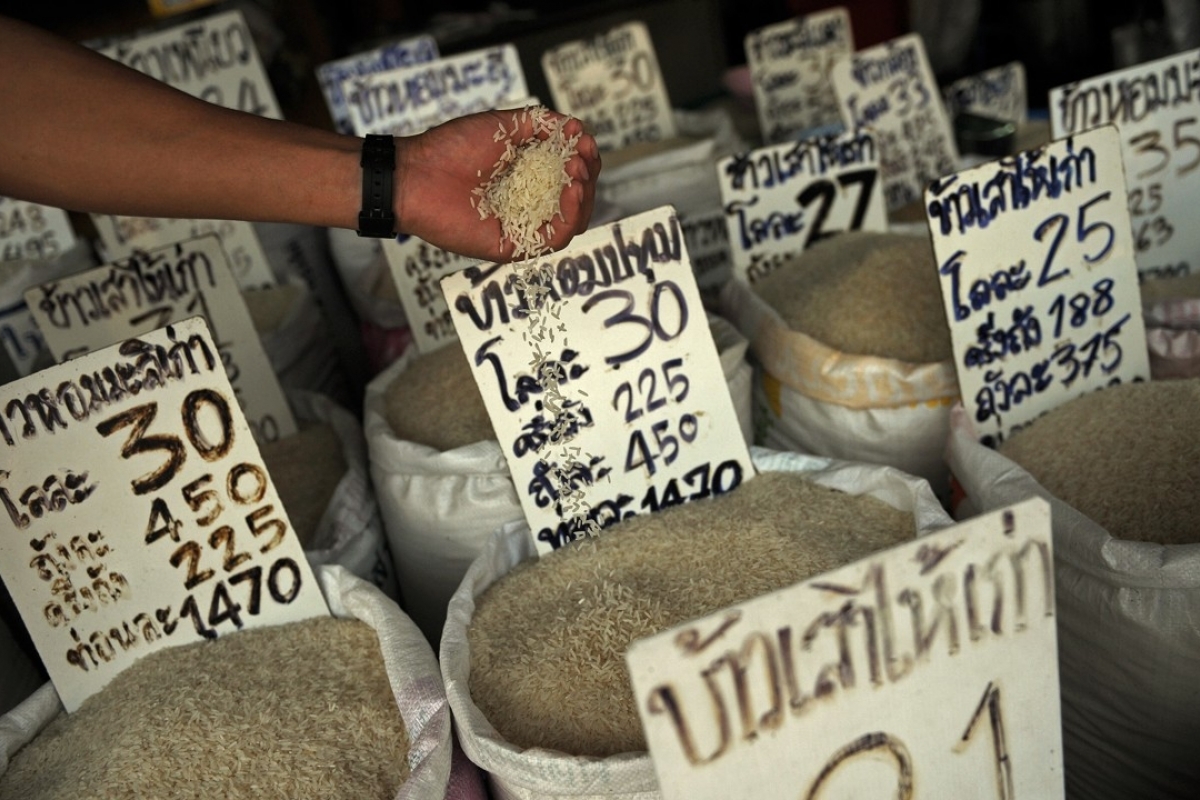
(437, 170)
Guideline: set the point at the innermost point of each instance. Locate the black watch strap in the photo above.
(378, 162)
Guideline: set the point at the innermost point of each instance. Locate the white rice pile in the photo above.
(306, 469)
(1127, 457)
(870, 294)
(548, 640)
(303, 710)
(436, 402)
(525, 185)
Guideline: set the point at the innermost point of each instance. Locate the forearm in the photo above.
(88, 134)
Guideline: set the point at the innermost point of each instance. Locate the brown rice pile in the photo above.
(436, 402)
(871, 294)
(303, 710)
(306, 469)
(1157, 290)
(548, 640)
(1127, 457)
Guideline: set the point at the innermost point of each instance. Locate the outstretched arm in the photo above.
(82, 132)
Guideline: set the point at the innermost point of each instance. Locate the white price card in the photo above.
(928, 670)
(789, 65)
(122, 236)
(33, 232)
(641, 417)
(613, 83)
(330, 75)
(408, 100)
(707, 241)
(93, 309)
(998, 93)
(137, 512)
(781, 199)
(417, 268)
(1038, 278)
(20, 337)
(213, 58)
(1156, 107)
(890, 88)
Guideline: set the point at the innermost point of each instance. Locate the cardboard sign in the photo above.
(789, 67)
(408, 100)
(891, 89)
(640, 417)
(783, 198)
(84, 312)
(122, 236)
(417, 268)
(137, 513)
(707, 241)
(332, 74)
(33, 232)
(927, 670)
(613, 83)
(213, 58)
(1039, 280)
(1156, 108)
(997, 93)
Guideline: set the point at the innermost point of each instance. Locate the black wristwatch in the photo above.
(378, 162)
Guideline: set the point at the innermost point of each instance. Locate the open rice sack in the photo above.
(637, 591)
(814, 397)
(323, 479)
(1128, 606)
(376, 722)
(443, 484)
(1171, 308)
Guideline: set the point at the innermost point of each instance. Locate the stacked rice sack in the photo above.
(533, 650)
(1120, 468)
(443, 483)
(335, 708)
(1171, 308)
(855, 353)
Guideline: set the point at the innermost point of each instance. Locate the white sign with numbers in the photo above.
(1156, 107)
(640, 416)
(33, 232)
(783, 198)
(331, 75)
(408, 100)
(417, 268)
(890, 89)
(789, 65)
(613, 83)
(1039, 279)
(927, 670)
(137, 513)
(93, 309)
(997, 93)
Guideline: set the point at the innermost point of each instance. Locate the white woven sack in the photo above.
(1128, 639)
(440, 507)
(814, 399)
(299, 344)
(350, 533)
(540, 774)
(1173, 338)
(367, 278)
(411, 667)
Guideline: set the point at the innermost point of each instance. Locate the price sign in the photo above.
(407, 100)
(789, 67)
(1156, 107)
(1039, 280)
(707, 241)
(782, 198)
(122, 236)
(332, 74)
(417, 268)
(891, 89)
(927, 670)
(95, 308)
(997, 93)
(137, 513)
(613, 83)
(638, 416)
(20, 336)
(33, 232)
